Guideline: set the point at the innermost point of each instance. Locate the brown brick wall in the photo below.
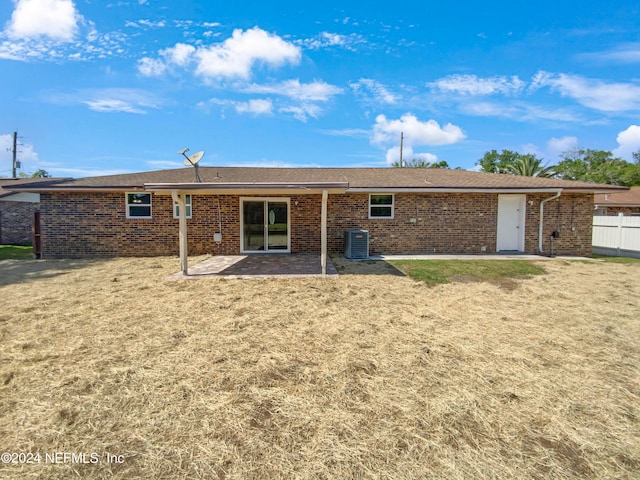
(571, 215)
(614, 211)
(459, 223)
(444, 223)
(16, 220)
(80, 224)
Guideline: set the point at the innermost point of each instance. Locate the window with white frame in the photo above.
(138, 205)
(381, 205)
(176, 207)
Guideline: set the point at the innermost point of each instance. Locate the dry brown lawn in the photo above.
(370, 375)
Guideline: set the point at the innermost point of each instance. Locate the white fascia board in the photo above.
(454, 190)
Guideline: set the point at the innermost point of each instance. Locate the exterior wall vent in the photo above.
(356, 244)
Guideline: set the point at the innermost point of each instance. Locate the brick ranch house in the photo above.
(627, 203)
(17, 210)
(237, 210)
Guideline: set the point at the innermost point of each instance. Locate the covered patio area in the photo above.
(260, 266)
(265, 223)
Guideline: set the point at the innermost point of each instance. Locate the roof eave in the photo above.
(599, 189)
(452, 190)
(80, 188)
(245, 187)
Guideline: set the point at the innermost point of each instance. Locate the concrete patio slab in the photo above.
(259, 266)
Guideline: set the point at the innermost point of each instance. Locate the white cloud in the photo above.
(473, 85)
(370, 89)
(596, 94)
(530, 148)
(347, 132)
(552, 151)
(152, 24)
(558, 146)
(86, 44)
(256, 107)
(519, 111)
(146, 23)
(328, 39)
(625, 53)
(181, 54)
(561, 145)
(232, 59)
(311, 92)
(11, 51)
(151, 67)
(236, 56)
(55, 19)
(393, 155)
(306, 94)
(628, 143)
(415, 132)
(113, 105)
(303, 111)
(125, 100)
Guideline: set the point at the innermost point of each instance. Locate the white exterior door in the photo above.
(511, 210)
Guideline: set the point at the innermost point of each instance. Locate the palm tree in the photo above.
(530, 166)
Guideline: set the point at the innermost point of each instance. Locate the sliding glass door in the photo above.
(265, 225)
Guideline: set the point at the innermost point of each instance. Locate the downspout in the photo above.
(540, 249)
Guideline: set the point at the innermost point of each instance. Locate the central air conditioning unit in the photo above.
(356, 244)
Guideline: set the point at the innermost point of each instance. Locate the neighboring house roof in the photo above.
(630, 198)
(349, 179)
(6, 185)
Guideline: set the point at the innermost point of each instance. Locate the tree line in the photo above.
(587, 165)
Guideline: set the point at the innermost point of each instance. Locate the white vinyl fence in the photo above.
(618, 236)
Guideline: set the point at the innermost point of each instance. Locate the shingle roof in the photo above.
(357, 178)
(629, 198)
(7, 183)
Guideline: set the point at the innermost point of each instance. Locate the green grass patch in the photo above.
(607, 258)
(434, 272)
(15, 252)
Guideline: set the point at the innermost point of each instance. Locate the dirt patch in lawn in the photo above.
(364, 376)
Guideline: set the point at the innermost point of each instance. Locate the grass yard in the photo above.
(15, 252)
(434, 272)
(606, 258)
(372, 375)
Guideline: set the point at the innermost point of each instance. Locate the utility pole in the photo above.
(401, 139)
(15, 149)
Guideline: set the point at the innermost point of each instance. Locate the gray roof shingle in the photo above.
(369, 178)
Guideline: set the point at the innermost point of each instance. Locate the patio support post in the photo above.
(182, 207)
(323, 232)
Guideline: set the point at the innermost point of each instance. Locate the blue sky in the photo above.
(100, 87)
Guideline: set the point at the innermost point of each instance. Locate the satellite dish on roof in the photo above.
(192, 160)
